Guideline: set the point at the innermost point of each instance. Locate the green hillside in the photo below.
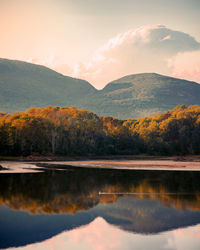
(143, 95)
(23, 85)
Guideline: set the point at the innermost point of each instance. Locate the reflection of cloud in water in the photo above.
(100, 235)
(64, 200)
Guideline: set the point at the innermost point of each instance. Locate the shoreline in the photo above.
(155, 164)
(191, 158)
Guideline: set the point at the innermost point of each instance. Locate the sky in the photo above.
(102, 40)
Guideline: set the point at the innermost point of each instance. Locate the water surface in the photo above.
(87, 208)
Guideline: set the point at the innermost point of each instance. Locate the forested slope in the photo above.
(24, 85)
(142, 95)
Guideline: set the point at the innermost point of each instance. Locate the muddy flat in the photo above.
(32, 167)
(136, 164)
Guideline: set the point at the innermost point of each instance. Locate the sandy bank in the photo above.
(33, 167)
(135, 164)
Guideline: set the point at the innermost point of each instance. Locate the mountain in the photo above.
(23, 85)
(143, 95)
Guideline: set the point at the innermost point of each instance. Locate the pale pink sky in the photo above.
(103, 40)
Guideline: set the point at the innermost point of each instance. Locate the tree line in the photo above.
(68, 131)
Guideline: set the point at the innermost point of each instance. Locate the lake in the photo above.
(66, 207)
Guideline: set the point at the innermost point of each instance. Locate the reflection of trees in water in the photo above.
(74, 190)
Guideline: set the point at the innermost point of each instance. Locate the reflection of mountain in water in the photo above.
(146, 216)
(62, 200)
(101, 235)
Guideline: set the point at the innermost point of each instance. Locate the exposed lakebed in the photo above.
(30, 167)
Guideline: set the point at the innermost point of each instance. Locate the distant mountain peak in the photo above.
(23, 85)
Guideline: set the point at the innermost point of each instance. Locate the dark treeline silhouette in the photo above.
(68, 131)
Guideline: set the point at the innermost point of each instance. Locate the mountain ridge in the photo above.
(19, 62)
(144, 94)
(23, 85)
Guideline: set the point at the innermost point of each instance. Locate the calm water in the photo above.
(100, 209)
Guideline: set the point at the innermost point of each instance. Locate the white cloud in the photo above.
(152, 48)
(186, 65)
(142, 50)
(166, 38)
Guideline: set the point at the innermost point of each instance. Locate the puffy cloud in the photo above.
(155, 37)
(186, 65)
(154, 48)
(145, 49)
